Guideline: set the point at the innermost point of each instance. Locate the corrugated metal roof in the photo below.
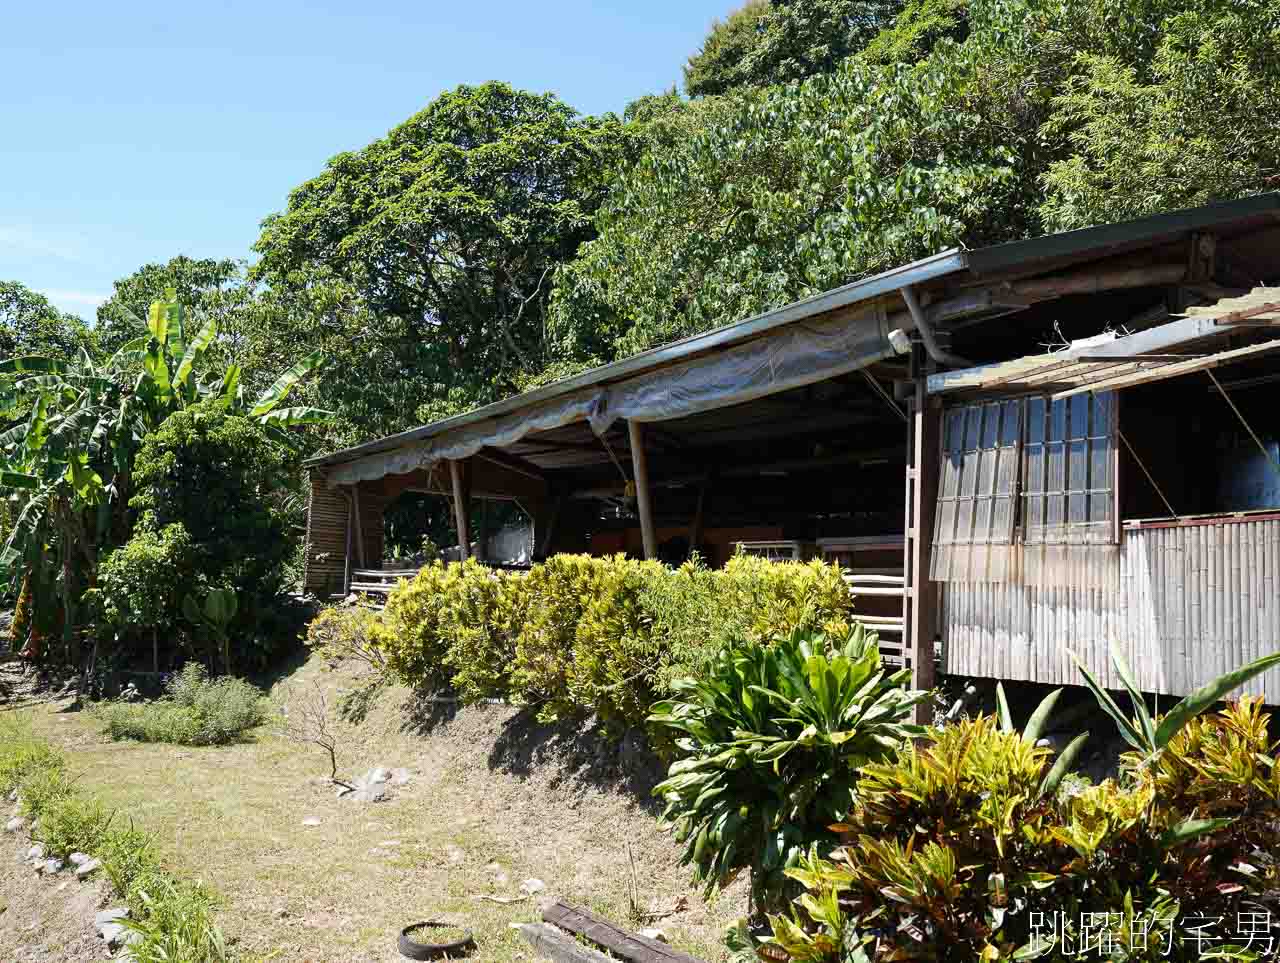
(917, 272)
(1117, 362)
(1127, 235)
(1083, 244)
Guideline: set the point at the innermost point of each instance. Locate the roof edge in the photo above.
(937, 265)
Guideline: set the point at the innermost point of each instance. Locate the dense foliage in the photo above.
(768, 42)
(70, 463)
(970, 845)
(453, 225)
(772, 738)
(194, 711)
(579, 635)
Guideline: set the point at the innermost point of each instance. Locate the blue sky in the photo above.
(134, 131)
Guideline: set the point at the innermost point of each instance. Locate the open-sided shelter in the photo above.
(1063, 443)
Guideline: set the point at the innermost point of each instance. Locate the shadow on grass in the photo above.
(579, 754)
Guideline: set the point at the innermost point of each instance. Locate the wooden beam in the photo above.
(1173, 369)
(644, 495)
(461, 507)
(515, 463)
(553, 944)
(622, 944)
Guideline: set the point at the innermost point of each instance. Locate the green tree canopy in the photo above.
(769, 42)
(29, 324)
(450, 229)
(798, 190)
(208, 287)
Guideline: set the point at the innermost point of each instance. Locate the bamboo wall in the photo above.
(1182, 603)
(324, 564)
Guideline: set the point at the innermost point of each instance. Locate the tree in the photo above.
(769, 42)
(1195, 124)
(207, 287)
(29, 324)
(70, 462)
(793, 191)
(450, 229)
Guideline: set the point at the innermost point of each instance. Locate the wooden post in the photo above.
(482, 531)
(355, 513)
(545, 518)
(644, 497)
(461, 508)
(699, 516)
(923, 602)
(346, 556)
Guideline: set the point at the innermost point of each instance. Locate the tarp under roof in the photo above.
(1107, 362)
(793, 356)
(648, 387)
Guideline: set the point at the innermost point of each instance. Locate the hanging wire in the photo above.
(1150, 477)
(1247, 427)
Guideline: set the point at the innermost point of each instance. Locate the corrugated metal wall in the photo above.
(1182, 604)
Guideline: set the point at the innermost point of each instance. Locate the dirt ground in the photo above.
(494, 799)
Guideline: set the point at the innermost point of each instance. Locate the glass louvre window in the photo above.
(1067, 487)
(977, 491)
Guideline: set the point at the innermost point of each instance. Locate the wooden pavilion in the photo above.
(1064, 443)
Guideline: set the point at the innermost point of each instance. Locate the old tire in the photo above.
(415, 950)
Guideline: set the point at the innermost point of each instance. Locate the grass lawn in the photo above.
(492, 801)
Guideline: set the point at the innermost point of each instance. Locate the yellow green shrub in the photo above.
(556, 592)
(415, 628)
(486, 609)
(616, 656)
(578, 634)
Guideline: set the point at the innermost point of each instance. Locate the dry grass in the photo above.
(491, 803)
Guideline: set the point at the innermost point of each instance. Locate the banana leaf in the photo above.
(280, 389)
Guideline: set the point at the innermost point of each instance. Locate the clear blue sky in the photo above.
(134, 131)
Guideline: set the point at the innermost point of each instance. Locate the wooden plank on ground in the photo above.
(551, 943)
(619, 942)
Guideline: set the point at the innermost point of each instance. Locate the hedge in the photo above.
(578, 635)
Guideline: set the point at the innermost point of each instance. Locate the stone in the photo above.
(280, 913)
(77, 859)
(377, 776)
(653, 933)
(113, 933)
(88, 868)
(113, 915)
(400, 777)
(532, 886)
(35, 852)
(311, 821)
(14, 824)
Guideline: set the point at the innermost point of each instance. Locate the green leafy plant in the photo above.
(214, 615)
(196, 711)
(966, 845)
(71, 824)
(773, 739)
(1143, 731)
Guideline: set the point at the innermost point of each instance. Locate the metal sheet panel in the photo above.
(1187, 602)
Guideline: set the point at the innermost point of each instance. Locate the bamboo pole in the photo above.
(644, 495)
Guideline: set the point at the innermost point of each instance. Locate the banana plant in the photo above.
(66, 465)
(214, 615)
